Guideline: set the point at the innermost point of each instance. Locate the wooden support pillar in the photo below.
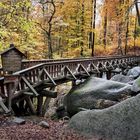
(30, 105)
(6, 110)
(73, 83)
(108, 75)
(9, 87)
(100, 74)
(48, 93)
(2, 94)
(21, 106)
(122, 69)
(16, 109)
(46, 103)
(39, 105)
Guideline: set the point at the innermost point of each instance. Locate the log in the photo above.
(30, 105)
(28, 93)
(48, 93)
(30, 86)
(3, 106)
(39, 105)
(46, 105)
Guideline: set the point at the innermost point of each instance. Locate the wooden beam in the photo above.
(46, 105)
(3, 106)
(66, 70)
(39, 105)
(30, 105)
(101, 67)
(28, 93)
(109, 66)
(30, 86)
(93, 69)
(48, 93)
(49, 76)
(40, 74)
(80, 66)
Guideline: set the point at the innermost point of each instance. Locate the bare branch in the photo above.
(40, 25)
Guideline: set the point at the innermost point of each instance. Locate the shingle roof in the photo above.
(12, 47)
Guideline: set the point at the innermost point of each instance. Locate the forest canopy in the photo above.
(70, 28)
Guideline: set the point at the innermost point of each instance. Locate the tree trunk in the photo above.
(82, 29)
(135, 37)
(127, 31)
(137, 11)
(120, 28)
(105, 29)
(50, 51)
(126, 36)
(90, 34)
(93, 28)
(120, 52)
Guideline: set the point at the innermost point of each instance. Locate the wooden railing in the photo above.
(49, 73)
(29, 63)
(54, 70)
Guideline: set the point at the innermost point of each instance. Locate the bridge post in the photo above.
(10, 81)
(73, 83)
(100, 75)
(45, 106)
(108, 75)
(39, 105)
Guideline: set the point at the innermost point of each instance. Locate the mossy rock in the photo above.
(93, 89)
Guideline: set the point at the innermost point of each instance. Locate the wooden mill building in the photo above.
(12, 59)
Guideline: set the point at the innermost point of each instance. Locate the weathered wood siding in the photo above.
(11, 61)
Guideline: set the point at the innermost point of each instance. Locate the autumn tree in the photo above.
(48, 9)
(15, 23)
(93, 27)
(137, 10)
(70, 28)
(105, 15)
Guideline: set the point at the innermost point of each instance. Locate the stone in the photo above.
(117, 70)
(122, 78)
(88, 94)
(50, 112)
(61, 112)
(101, 103)
(136, 85)
(134, 72)
(18, 121)
(118, 122)
(44, 124)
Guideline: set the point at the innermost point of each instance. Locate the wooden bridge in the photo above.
(37, 79)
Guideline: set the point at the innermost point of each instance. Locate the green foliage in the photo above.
(23, 23)
(137, 33)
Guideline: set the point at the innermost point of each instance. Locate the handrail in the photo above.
(29, 63)
(67, 61)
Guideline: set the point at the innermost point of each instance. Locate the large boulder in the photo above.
(118, 122)
(87, 94)
(134, 72)
(122, 78)
(136, 85)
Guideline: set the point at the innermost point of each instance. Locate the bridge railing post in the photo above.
(10, 83)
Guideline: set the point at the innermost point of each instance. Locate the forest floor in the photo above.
(31, 130)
